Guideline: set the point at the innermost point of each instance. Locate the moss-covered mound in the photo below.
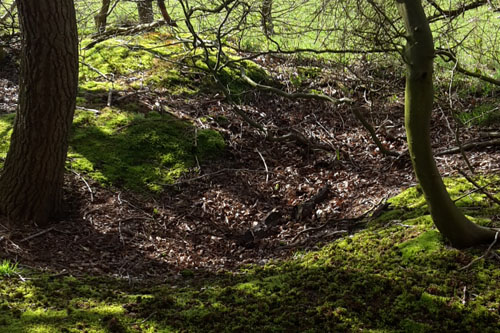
(396, 276)
(156, 60)
(137, 152)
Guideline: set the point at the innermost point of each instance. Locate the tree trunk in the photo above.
(145, 10)
(164, 13)
(102, 17)
(267, 18)
(419, 94)
(32, 179)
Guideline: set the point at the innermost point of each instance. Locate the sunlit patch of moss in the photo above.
(428, 242)
(137, 152)
(113, 57)
(460, 189)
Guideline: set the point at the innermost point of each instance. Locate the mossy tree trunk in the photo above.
(145, 10)
(31, 183)
(419, 57)
(102, 17)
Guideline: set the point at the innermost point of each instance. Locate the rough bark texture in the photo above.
(102, 17)
(145, 10)
(32, 179)
(419, 94)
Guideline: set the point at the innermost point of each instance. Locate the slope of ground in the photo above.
(239, 206)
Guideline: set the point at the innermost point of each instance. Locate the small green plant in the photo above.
(7, 268)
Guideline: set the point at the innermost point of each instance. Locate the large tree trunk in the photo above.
(102, 17)
(419, 94)
(145, 10)
(32, 179)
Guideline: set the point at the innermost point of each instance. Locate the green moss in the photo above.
(426, 243)
(6, 123)
(482, 115)
(129, 150)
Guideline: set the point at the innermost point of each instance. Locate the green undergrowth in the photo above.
(485, 115)
(132, 150)
(397, 275)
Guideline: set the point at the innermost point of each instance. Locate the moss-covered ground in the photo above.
(397, 275)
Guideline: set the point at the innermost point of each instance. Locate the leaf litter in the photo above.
(239, 209)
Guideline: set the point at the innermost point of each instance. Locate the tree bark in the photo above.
(102, 17)
(32, 179)
(164, 13)
(419, 94)
(145, 10)
(267, 18)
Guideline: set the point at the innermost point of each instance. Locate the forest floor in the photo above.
(241, 207)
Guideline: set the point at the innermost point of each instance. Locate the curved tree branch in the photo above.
(325, 98)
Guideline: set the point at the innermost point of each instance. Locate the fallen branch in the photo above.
(479, 188)
(89, 110)
(190, 180)
(377, 210)
(306, 208)
(123, 31)
(325, 98)
(484, 255)
(469, 146)
(43, 232)
(87, 184)
(448, 56)
(293, 135)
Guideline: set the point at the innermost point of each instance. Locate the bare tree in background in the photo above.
(102, 17)
(145, 11)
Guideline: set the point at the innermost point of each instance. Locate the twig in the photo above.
(481, 189)
(468, 193)
(265, 164)
(110, 33)
(104, 76)
(148, 317)
(120, 232)
(43, 232)
(375, 208)
(87, 109)
(213, 174)
(87, 184)
(325, 98)
(484, 255)
(469, 146)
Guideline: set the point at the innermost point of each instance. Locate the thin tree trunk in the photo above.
(267, 18)
(419, 94)
(32, 179)
(102, 17)
(145, 10)
(164, 13)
